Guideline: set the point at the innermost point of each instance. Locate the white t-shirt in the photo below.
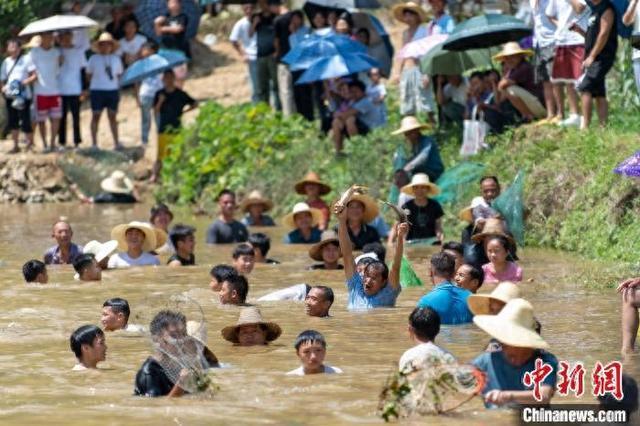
(296, 292)
(456, 94)
(327, 370)
(97, 67)
(544, 32)
(150, 86)
(420, 352)
(46, 63)
(131, 47)
(70, 79)
(18, 72)
(566, 16)
(240, 33)
(123, 260)
(79, 367)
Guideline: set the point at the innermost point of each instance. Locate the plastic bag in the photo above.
(510, 204)
(475, 130)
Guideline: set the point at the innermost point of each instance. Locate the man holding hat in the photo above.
(425, 155)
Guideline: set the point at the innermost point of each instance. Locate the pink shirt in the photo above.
(513, 273)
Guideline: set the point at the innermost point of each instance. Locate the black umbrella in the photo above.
(485, 31)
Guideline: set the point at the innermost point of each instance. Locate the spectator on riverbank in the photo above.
(425, 155)
(246, 45)
(72, 84)
(172, 28)
(254, 205)
(262, 25)
(451, 94)
(64, 252)
(35, 271)
(303, 220)
(116, 26)
(183, 239)
(225, 229)
(311, 349)
(544, 46)
(135, 241)
(630, 290)
(147, 90)
(131, 44)
(442, 22)
(377, 93)
(632, 17)
(89, 346)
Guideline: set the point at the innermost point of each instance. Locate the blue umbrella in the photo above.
(347, 4)
(148, 10)
(337, 66)
(316, 47)
(152, 65)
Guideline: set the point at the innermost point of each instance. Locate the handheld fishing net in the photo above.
(454, 181)
(408, 276)
(434, 384)
(510, 206)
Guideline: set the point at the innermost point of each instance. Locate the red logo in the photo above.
(607, 379)
(536, 377)
(571, 380)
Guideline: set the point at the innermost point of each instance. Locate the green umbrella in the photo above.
(441, 61)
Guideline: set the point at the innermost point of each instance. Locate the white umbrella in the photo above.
(58, 23)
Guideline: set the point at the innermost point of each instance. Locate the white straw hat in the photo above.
(100, 250)
(119, 234)
(117, 183)
(420, 179)
(409, 123)
(289, 220)
(504, 292)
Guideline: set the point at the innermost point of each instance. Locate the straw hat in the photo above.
(409, 123)
(105, 38)
(492, 227)
(466, 214)
(504, 292)
(398, 11)
(118, 233)
(420, 179)
(371, 209)
(512, 48)
(251, 315)
(315, 252)
(316, 215)
(514, 325)
(255, 197)
(117, 183)
(35, 41)
(161, 237)
(100, 250)
(198, 331)
(312, 177)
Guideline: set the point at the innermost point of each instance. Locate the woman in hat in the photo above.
(251, 329)
(254, 206)
(135, 241)
(514, 327)
(326, 251)
(116, 189)
(425, 155)
(361, 210)
(304, 221)
(103, 71)
(313, 188)
(424, 214)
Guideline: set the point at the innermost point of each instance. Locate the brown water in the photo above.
(37, 384)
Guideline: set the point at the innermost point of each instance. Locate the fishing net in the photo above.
(399, 160)
(434, 384)
(510, 206)
(408, 276)
(454, 181)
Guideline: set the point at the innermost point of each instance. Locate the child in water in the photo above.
(243, 258)
(311, 348)
(500, 268)
(35, 271)
(88, 345)
(219, 274)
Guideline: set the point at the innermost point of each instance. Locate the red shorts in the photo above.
(567, 65)
(48, 107)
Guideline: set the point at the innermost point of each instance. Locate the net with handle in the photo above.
(510, 206)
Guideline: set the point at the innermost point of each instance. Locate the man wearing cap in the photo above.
(425, 155)
(65, 252)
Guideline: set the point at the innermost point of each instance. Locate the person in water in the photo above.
(630, 290)
(251, 329)
(255, 206)
(469, 277)
(243, 258)
(225, 229)
(456, 250)
(234, 290)
(35, 271)
(313, 189)
(64, 252)
(116, 189)
(317, 299)
(424, 326)
(88, 345)
(101, 251)
(361, 211)
(261, 244)
(115, 315)
(219, 274)
(161, 216)
(304, 221)
(326, 251)
(87, 268)
(500, 268)
(135, 240)
(184, 241)
(311, 349)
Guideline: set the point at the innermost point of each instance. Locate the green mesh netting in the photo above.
(510, 205)
(399, 160)
(408, 277)
(455, 180)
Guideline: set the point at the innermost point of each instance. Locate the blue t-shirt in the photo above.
(503, 376)
(368, 113)
(358, 299)
(450, 302)
(295, 237)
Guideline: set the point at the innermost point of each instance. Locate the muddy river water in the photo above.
(38, 386)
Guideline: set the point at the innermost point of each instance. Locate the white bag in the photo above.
(474, 132)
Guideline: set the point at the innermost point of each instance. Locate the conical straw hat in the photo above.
(255, 197)
(312, 177)
(118, 233)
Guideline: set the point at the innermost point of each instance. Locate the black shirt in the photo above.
(116, 30)
(265, 34)
(184, 262)
(608, 53)
(112, 197)
(281, 27)
(224, 233)
(172, 107)
(151, 380)
(321, 266)
(423, 219)
(176, 41)
(367, 234)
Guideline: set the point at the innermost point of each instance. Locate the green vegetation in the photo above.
(15, 14)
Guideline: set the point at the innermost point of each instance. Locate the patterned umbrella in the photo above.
(148, 10)
(420, 47)
(630, 166)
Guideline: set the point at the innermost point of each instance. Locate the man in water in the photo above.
(115, 316)
(87, 268)
(317, 299)
(226, 229)
(35, 271)
(88, 345)
(424, 326)
(311, 348)
(234, 290)
(65, 252)
(244, 258)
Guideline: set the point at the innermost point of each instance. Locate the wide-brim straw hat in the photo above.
(504, 292)
(512, 48)
(105, 38)
(251, 315)
(513, 326)
(289, 220)
(398, 11)
(119, 234)
(492, 227)
(371, 208)
(255, 197)
(198, 331)
(312, 177)
(161, 237)
(100, 250)
(420, 179)
(328, 237)
(466, 214)
(117, 183)
(409, 123)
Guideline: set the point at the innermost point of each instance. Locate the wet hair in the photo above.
(157, 209)
(327, 293)
(309, 336)
(454, 246)
(118, 305)
(242, 249)
(180, 232)
(357, 83)
(629, 401)
(425, 323)
(164, 319)
(32, 269)
(380, 267)
(151, 45)
(476, 273)
(84, 335)
(226, 191)
(366, 261)
(82, 262)
(376, 248)
(222, 272)
(443, 264)
(260, 241)
(493, 178)
(240, 284)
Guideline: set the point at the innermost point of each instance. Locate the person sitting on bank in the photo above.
(311, 349)
(451, 94)
(161, 216)
(135, 241)
(225, 229)
(313, 188)
(469, 277)
(88, 345)
(425, 154)
(243, 258)
(500, 268)
(361, 210)
(183, 239)
(101, 251)
(219, 274)
(514, 328)
(115, 316)
(35, 271)
(87, 268)
(326, 251)
(234, 290)
(64, 252)
(630, 290)
(251, 329)
(424, 326)
(117, 189)
(425, 214)
(304, 221)
(255, 205)
(261, 244)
